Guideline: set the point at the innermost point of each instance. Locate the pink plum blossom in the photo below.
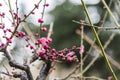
(40, 20)
(70, 54)
(81, 49)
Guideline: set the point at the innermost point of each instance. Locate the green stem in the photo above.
(93, 78)
(81, 54)
(110, 12)
(99, 42)
(99, 31)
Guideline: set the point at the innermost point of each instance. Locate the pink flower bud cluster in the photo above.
(68, 55)
(58, 56)
(20, 34)
(40, 20)
(2, 14)
(2, 26)
(36, 6)
(48, 53)
(46, 4)
(44, 29)
(45, 42)
(8, 40)
(5, 36)
(15, 15)
(2, 45)
(42, 54)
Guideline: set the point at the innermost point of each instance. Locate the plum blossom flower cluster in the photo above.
(41, 45)
(46, 52)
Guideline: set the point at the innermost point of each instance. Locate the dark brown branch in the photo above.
(44, 71)
(13, 63)
(34, 58)
(21, 75)
(29, 75)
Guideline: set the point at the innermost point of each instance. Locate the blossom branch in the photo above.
(13, 63)
(31, 11)
(21, 75)
(36, 56)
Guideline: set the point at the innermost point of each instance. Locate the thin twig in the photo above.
(110, 12)
(6, 74)
(11, 11)
(30, 12)
(91, 77)
(81, 53)
(94, 59)
(97, 27)
(91, 63)
(76, 68)
(6, 69)
(90, 41)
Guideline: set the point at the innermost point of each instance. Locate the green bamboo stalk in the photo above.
(110, 12)
(99, 42)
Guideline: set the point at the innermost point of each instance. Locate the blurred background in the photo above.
(66, 32)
